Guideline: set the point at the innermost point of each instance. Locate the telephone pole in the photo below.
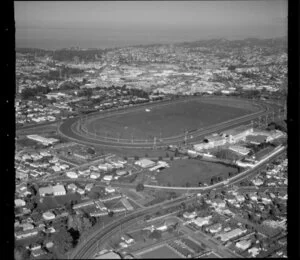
(154, 143)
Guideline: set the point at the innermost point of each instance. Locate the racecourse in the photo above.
(202, 122)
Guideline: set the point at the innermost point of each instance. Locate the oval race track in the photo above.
(74, 130)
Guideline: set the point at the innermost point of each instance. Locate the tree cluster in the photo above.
(29, 93)
(140, 187)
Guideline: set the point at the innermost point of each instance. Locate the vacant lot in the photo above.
(166, 120)
(59, 201)
(161, 252)
(191, 171)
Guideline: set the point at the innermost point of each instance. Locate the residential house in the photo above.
(80, 191)
(189, 215)
(215, 228)
(72, 187)
(72, 175)
(202, 221)
(48, 215)
(243, 244)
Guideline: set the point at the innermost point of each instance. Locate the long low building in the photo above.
(57, 190)
(231, 234)
(43, 140)
(83, 204)
(126, 204)
(26, 233)
(239, 149)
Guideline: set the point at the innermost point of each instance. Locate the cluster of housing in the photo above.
(106, 170)
(111, 202)
(32, 165)
(225, 226)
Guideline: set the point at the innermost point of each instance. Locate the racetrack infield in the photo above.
(168, 120)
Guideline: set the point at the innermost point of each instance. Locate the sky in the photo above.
(105, 24)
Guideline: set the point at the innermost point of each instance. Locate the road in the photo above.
(88, 249)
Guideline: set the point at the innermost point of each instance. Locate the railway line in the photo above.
(88, 249)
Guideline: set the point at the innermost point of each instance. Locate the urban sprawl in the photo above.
(219, 191)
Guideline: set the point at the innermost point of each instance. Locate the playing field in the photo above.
(192, 171)
(161, 252)
(166, 120)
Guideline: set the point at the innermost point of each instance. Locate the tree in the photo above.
(176, 153)
(21, 253)
(140, 187)
(63, 240)
(171, 158)
(28, 93)
(110, 214)
(94, 195)
(183, 205)
(167, 155)
(160, 158)
(136, 157)
(156, 234)
(187, 184)
(32, 205)
(90, 150)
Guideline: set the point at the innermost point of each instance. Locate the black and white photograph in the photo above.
(151, 129)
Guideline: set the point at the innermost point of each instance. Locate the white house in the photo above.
(72, 175)
(19, 203)
(202, 221)
(95, 175)
(59, 190)
(48, 215)
(243, 244)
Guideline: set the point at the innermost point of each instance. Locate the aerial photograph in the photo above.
(150, 129)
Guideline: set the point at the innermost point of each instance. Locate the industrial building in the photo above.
(239, 149)
(237, 134)
(145, 163)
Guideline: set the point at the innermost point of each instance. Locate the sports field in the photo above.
(192, 171)
(167, 120)
(160, 252)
